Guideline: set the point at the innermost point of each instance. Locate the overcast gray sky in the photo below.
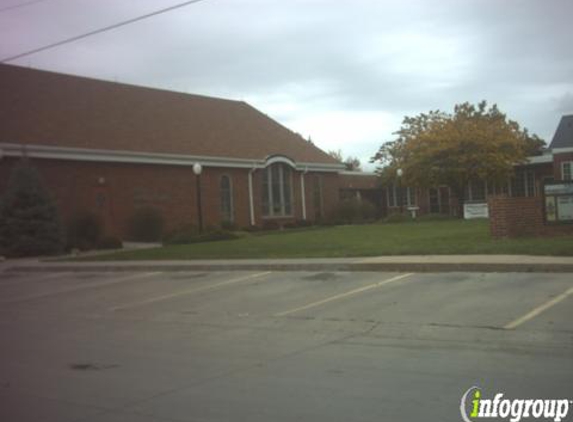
(344, 72)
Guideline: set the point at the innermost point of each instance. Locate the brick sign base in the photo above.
(517, 217)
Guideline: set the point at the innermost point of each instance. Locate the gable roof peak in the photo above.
(109, 83)
(563, 137)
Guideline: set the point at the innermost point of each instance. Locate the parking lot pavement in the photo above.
(278, 346)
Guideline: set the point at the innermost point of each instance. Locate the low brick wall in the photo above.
(515, 217)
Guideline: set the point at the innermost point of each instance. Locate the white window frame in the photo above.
(526, 185)
(570, 171)
(267, 173)
(471, 186)
(408, 197)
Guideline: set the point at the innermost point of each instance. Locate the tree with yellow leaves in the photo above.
(475, 143)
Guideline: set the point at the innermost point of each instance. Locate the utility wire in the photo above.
(98, 31)
(17, 6)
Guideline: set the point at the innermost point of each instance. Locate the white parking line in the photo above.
(540, 309)
(189, 291)
(39, 277)
(344, 295)
(82, 287)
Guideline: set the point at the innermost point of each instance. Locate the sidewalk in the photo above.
(414, 263)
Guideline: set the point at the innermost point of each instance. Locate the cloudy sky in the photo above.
(344, 72)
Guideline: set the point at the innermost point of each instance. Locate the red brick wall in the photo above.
(211, 196)
(124, 187)
(330, 195)
(78, 186)
(514, 217)
(557, 160)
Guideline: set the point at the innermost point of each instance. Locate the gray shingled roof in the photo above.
(563, 137)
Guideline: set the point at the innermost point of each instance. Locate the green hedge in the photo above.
(30, 223)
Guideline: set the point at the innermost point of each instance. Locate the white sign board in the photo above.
(559, 202)
(476, 211)
(565, 207)
(559, 188)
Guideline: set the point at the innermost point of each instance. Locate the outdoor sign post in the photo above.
(558, 202)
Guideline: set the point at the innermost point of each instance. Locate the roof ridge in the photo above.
(78, 112)
(121, 84)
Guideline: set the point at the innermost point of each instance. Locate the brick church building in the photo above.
(110, 148)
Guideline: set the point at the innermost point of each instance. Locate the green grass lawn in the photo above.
(416, 238)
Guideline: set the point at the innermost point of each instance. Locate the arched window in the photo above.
(277, 190)
(226, 199)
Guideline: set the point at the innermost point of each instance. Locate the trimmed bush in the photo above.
(30, 224)
(217, 235)
(251, 229)
(298, 224)
(146, 225)
(84, 231)
(182, 235)
(189, 234)
(110, 242)
(354, 211)
(398, 218)
(271, 225)
(228, 225)
(436, 217)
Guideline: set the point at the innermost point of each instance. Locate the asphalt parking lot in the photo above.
(278, 346)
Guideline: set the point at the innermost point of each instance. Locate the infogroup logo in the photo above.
(513, 409)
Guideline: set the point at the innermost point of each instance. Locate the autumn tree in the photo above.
(351, 163)
(473, 143)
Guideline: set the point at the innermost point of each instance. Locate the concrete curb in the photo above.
(301, 266)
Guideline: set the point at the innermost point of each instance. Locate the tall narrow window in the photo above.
(401, 196)
(476, 191)
(226, 199)
(523, 184)
(391, 193)
(277, 191)
(567, 170)
(530, 183)
(434, 198)
(410, 197)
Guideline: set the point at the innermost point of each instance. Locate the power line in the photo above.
(99, 31)
(17, 6)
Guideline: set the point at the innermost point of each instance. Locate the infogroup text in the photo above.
(473, 407)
